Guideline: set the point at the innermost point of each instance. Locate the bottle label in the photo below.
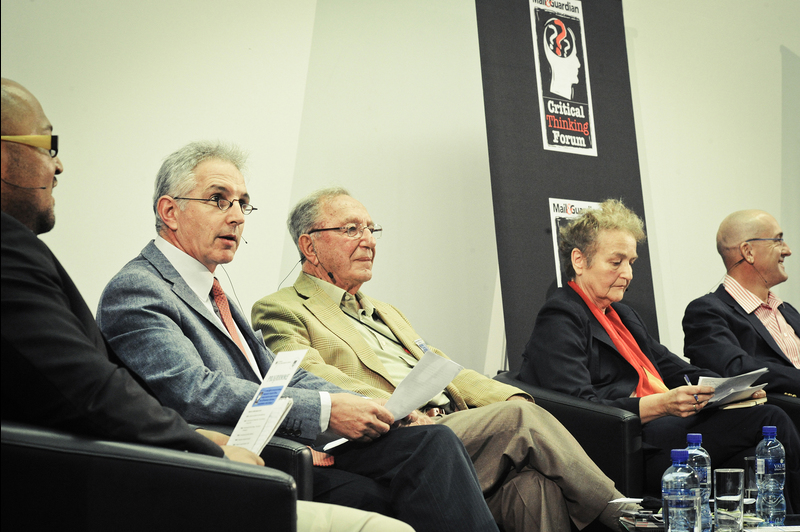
(767, 466)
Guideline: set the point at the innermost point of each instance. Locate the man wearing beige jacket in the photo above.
(533, 473)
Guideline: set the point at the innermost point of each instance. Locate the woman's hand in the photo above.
(683, 401)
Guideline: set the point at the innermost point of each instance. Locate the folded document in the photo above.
(265, 413)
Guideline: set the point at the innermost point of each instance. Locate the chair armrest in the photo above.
(51, 479)
(294, 459)
(288, 456)
(789, 403)
(612, 437)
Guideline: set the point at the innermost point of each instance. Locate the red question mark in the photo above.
(560, 36)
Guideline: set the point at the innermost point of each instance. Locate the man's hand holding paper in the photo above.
(428, 378)
(358, 418)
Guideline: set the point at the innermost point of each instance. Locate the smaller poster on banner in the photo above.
(563, 211)
(565, 94)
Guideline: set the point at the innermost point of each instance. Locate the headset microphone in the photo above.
(330, 275)
(245, 241)
(20, 186)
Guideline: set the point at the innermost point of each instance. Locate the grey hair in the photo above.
(176, 177)
(582, 233)
(305, 215)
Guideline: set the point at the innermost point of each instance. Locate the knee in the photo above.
(429, 435)
(441, 434)
(530, 414)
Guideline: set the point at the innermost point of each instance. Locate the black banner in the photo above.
(525, 174)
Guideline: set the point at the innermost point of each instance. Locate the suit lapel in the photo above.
(340, 324)
(408, 341)
(601, 335)
(179, 286)
(401, 333)
(187, 295)
(752, 319)
(791, 316)
(254, 339)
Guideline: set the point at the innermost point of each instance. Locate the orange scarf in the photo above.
(650, 380)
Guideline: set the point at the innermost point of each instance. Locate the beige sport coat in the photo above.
(304, 317)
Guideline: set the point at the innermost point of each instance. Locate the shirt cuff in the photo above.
(324, 410)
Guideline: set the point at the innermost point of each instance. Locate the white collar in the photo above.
(194, 272)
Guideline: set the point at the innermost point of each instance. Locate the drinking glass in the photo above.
(728, 490)
(750, 488)
(682, 512)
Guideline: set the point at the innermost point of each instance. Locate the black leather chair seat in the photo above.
(52, 480)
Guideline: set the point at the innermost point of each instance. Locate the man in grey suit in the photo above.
(169, 321)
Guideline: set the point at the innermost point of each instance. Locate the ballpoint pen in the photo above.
(686, 378)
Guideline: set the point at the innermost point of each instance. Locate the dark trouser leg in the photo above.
(432, 482)
(335, 486)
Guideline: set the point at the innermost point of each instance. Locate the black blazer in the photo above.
(721, 336)
(570, 352)
(57, 370)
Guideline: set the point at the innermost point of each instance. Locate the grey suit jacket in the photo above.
(164, 333)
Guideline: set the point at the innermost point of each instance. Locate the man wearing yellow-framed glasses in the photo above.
(30, 163)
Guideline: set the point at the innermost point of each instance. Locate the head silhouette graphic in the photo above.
(561, 52)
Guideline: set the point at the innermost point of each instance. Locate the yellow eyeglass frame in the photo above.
(46, 142)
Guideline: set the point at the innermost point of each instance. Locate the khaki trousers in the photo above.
(534, 474)
(319, 517)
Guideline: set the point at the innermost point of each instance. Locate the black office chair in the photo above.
(789, 403)
(55, 480)
(611, 436)
(288, 456)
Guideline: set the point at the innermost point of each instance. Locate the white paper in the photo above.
(731, 389)
(259, 424)
(265, 412)
(428, 378)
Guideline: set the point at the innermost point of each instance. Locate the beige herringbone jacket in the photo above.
(305, 317)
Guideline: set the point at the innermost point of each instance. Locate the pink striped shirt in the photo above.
(768, 314)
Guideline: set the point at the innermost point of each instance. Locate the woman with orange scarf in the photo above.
(588, 344)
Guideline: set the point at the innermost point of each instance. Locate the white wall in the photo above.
(394, 111)
(127, 83)
(384, 97)
(708, 84)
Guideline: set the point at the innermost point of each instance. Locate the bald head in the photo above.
(28, 172)
(18, 106)
(739, 227)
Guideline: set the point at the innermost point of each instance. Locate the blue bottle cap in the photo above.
(694, 438)
(680, 455)
(769, 431)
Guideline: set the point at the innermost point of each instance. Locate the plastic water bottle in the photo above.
(770, 476)
(679, 479)
(700, 461)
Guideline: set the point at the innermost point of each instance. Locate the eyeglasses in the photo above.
(354, 230)
(778, 240)
(224, 204)
(46, 142)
